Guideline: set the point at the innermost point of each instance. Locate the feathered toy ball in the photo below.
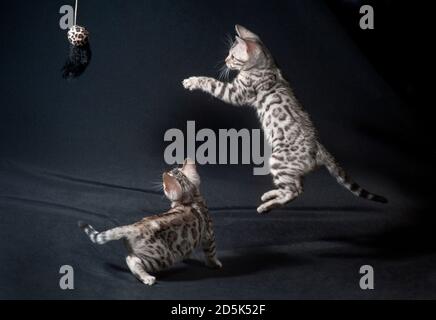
(80, 53)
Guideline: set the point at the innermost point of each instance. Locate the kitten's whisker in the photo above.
(229, 40)
(220, 73)
(157, 185)
(223, 73)
(227, 74)
(219, 64)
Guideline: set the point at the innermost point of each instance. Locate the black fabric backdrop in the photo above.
(92, 149)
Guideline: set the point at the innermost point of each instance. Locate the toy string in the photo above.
(75, 12)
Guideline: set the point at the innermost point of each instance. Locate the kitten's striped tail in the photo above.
(326, 159)
(103, 237)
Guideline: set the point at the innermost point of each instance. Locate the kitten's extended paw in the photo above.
(149, 281)
(191, 83)
(215, 264)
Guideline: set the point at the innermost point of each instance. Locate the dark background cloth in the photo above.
(92, 149)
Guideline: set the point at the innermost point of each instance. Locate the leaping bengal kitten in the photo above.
(288, 128)
(159, 241)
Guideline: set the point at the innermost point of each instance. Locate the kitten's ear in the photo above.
(246, 34)
(241, 42)
(190, 171)
(172, 188)
(249, 46)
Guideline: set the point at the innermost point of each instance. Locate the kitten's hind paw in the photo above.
(270, 205)
(149, 281)
(275, 199)
(269, 199)
(263, 209)
(191, 83)
(271, 195)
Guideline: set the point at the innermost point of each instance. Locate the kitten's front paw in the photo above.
(191, 83)
(149, 281)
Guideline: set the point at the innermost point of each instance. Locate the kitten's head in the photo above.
(247, 51)
(182, 184)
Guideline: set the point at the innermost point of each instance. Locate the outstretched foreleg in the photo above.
(228, 92)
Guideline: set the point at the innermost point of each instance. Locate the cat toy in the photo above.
(80, 51)
(77, 35)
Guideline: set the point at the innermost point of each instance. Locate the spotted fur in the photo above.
(78, 36)
(157, 242)
(288, 128)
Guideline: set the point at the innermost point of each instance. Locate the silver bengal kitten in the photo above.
(296, 150)
(159, 241)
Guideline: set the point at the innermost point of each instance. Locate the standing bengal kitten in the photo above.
(288, 128)
(157, 242)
